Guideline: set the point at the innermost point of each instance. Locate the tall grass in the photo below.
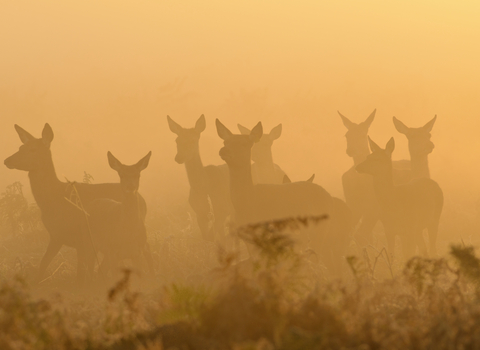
(208, 297)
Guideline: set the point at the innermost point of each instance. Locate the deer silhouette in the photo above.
(286, 179)
(264, 170)
(118, 227)
(419, 146)
(206, 182)
(358, 188)
(407, 209)
(265, 202)
(65, 223)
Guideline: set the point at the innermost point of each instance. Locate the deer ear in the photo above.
(348, 124)
(143, 163)
(428, 127)
(113, 162)
(243, 130)
(174, 127)
(200, 125)
(257, 132)
(390, 146)
(47, 135)
(401, 128)
(311, 178)
(286, 179)
(373, 146)
(24, 135)
(222, 130)
(369, 120)
(276, 132)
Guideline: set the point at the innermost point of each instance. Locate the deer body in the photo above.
(65, 223)
(419, 146)
(358, 188)
(264, 170)
(206, 182)
(118, 227)
(265, 202)
(407, 209)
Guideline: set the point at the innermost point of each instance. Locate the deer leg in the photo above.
(420, 243)
(408, 244)
(364, 232)
(432, 238)
(52, 250)
(147, 253)
(390, 235)
(201, 207)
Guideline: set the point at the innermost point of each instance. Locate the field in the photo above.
(207, 297)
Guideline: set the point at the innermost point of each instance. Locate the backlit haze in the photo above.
(105, 74)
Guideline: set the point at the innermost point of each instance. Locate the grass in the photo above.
(207, 297)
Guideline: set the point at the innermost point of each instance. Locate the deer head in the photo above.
(379, 162)
(418, 138)
(33, 154)
(129, 174)
(262, 150)
(237, 148)
(187, 139)
(357, 135)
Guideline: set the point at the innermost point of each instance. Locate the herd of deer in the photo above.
(110, 218)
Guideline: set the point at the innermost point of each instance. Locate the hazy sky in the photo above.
(105, 74)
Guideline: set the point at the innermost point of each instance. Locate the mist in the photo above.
(106, 75)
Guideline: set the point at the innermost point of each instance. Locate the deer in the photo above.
(118, 227)
(342, 220)
(206, 182)
(406, 209)
(286, 179)
(419, 146)
(255, 203)
(264, 170)
(358, 188)
(65, 222)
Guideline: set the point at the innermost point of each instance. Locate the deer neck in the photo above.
(241, 183)
(131, 207)
(264, 164)
(419, 163)
(384, 187)
(359, 158)
(195, 171)
(361, 154)
(45, 185)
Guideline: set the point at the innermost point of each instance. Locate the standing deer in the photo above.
(118, 227)
(205, 181)
(266, 202)
(65, 223)
(264, 170)
(342, 221)
(405, 210)
(358, 188)
(419, 146)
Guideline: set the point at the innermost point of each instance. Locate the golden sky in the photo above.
(105, 74)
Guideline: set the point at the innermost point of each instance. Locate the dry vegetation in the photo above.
(204, 297)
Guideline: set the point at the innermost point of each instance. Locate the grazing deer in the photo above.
(266, 202)
(65, 223)
(264, 170)
(358, 188)
(205, 181)
(118, 227)
(405, 210)
(419, 146)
